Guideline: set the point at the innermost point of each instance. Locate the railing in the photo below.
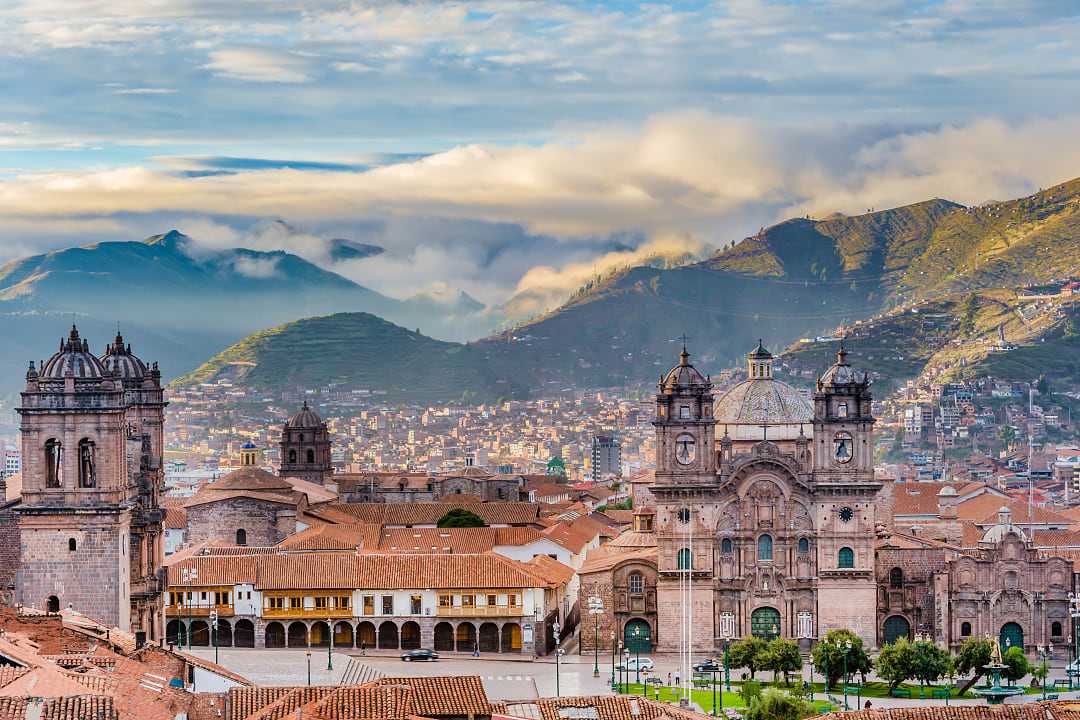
(314, 613)
(481, 611)
(183, 611)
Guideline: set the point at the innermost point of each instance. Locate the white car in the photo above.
(637, 664)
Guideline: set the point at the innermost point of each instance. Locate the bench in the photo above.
(1052, 696)
(1061, 684)
(900, 693)
(940, 693)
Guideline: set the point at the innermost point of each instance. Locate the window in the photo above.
(415, 605)
(1055, 629)
(684, 412)
(343, 602)
(845, 558)
(54, 455)
(492, 600)
(841, 410)
(683, 559)
(468, 601)
(896, 578)
(292, 456)
(52, 604)
(275, 603)
(804, 546)
(513, 600)
(446, 601)
(320, 603)
(965, 629)
(295, 603)
(241, 537)
(71, 545)
(637, 583)
(726, 546)
(222, 598)
(387, 604)
(86, 463)
(369, 604)
(310, 456)
(501, 493)
(764, 547)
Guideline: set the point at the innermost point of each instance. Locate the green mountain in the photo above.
(930, 283)
(353, 349)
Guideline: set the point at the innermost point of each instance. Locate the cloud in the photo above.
(145, 91)
(260, 65)
(256, 267)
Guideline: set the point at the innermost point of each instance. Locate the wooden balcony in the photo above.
(183, 611)
(307, 613)
(481, 611)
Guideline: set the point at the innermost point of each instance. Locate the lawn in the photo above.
(704, 698)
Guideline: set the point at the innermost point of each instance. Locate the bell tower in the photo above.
(843, 422)
(685, 429)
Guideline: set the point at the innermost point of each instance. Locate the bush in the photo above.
(748, 653)
(750, 691)
(461, 518)
(895, 663)
(1016, 664)
(778, 705)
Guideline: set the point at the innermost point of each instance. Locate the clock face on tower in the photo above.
(685, 449)
(843, 447)
(846, 514)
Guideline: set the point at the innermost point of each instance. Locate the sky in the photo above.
(515, 149)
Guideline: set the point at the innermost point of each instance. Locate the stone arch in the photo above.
(343, 635)
(896, 578)
(965, 629)
(174, 633)
(52, 604)
(365, 635)
(465, 637)
(1055, 629)
(241, 536)
(319, 634)
(894, 628)
(410, 635)
(637, 635)
(765, 623)
(72, 545)
(511, 637)
(310, 456)
(489, 637)
(244, 634)
(275, 635)
(224, 633)
(1011, 635)
(200, 633)
(444, 637)
(298, 637)
(388, 636)
(761, 469)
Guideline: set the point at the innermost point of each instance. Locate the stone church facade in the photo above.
(89, 520)
(768, 530)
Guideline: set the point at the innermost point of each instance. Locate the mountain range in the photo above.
(802, 277)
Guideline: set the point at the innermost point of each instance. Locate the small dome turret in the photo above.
(841, 373)
(305, 418)
(683, 376)
(119, 360)
(73, 359)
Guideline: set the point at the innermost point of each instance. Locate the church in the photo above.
(766, 507)
(89, 523)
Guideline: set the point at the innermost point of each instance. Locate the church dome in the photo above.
(841, 373)
(119, 360)
(74, 358)
(305, 418)
(683, 376)
(763, 400)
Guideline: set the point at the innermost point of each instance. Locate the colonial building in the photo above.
(89, 520)
(768, 530)
(403, 487)
(305, 448)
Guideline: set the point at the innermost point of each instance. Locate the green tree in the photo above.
(461, 518)
(896, 662)
(829, 653)
(748, 653)
(1007, 435)
(782, 656)
(776, 704)
(1016, 664)
(974, 654)
(1043, 386)
(930, 662)
(1040, 673)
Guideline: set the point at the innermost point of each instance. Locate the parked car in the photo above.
(420, 654)
(710, 665)
(637, 664)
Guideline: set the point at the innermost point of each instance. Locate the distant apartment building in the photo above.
(606, 457)
(12, 462)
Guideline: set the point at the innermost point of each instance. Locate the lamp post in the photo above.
(713, 671)
(558, 652)
(596, 608)
(213, 632)
(612, 657)
(330, 645)
(637, 651)
(308, 653)
(846, 646)
(1044, 653)
(188, 576)
(624, 675)
(1074, 613)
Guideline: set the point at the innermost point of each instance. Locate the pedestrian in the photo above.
(867, 705)
(677, 680)
(669, 679)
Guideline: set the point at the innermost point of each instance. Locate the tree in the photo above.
(1043, 386)
(776, 704)
(930, 662)
(829, 654)
(750, 691)
(782, 656)
(748, 653)
(461, 518)
(1040, 673)
(1007, 434)
(896, 662)
(974, 654)
(1016, 664)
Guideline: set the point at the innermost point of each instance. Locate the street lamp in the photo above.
(613, 657)
(330, 645)
(1045, 654)
(847, 648)
(624, 675)
(1074, 613)
(637, 651)
(558, 653)
(213, 632)
(596, 608)
(308, 653)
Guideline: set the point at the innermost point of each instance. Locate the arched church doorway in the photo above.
(765, 623)
(1012, 635)
(895, 627)
(637, 635)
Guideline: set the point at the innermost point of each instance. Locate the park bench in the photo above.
(1052, 696)
(939, 693)
(900, 693)
(1061, 684)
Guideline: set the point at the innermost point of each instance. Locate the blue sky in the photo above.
(500, 146)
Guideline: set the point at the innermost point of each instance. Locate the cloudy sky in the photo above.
(502, 146)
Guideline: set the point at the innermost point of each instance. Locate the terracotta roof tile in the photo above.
(493, 513)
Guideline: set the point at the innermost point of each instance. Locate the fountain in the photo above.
(994, 693)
